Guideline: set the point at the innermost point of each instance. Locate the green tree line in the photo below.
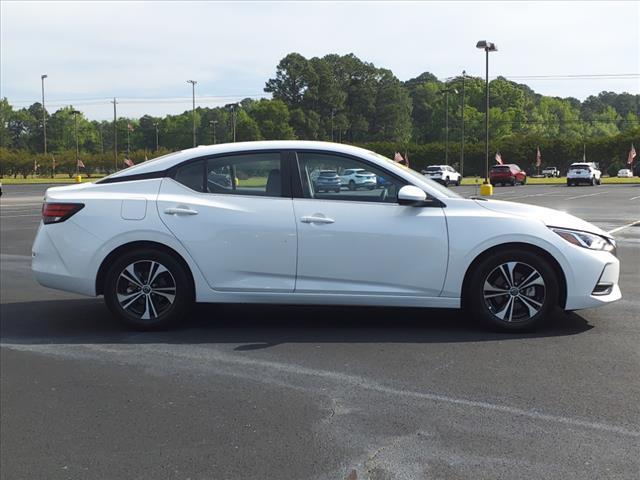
(345, 99)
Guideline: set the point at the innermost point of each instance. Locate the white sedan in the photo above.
(157, 237)
(625, 173)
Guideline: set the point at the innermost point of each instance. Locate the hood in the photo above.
(548, 216)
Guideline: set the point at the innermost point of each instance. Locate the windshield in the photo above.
(500, 168)
(421, 178)
(133, 170)
(434, 169)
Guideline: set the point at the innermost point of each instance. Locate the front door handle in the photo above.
(180, 211)
(314, 219)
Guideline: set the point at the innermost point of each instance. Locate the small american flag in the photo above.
(538, 158)
(80, 164)
(128, 162)
(498, 158)
(130, 127)
(398, 158)
(632, 155)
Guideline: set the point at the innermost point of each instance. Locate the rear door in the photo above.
(234, 214)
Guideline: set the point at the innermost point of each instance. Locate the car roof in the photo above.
(167, 161)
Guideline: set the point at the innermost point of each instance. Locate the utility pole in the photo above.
(462, 129)
(193, 108)
(128, 139)
(213, 124)
(156, 125)
(75, 121)
(115, 135)
(446, 92)
(44, 123)
(233, 118)
(101, 140)
(333, 111)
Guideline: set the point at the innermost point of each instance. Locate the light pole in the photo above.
(487, 47)
(75, 121)
(446, 93)
(115, 136)
(101, 140)
(44, 122)
(213, 124)
(462, 129)
(156, 125)
(333, 111)
(234, 116)
(193, 107)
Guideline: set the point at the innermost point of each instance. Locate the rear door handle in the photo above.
(314, 219)
(180, 211)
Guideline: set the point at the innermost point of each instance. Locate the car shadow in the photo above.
(253, 327)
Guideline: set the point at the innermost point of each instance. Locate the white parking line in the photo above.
(634, 198)
(588, 195)
(637, 222)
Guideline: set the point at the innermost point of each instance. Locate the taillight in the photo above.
(59, 212)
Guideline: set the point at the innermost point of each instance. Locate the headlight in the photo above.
(587, 240)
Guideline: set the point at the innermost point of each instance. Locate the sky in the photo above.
(144, 52)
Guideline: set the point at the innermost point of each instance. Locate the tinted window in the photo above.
(369, 184)
(191, 175)
(245, 174)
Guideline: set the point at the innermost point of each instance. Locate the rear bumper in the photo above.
(51, 271)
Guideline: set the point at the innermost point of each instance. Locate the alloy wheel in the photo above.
(514, 292)
(146, 289)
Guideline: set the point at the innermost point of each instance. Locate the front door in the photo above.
(361, 241)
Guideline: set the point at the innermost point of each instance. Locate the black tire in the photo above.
(458, 182)
(524, 181)
(167, 312)
(489, 310)
(446, 182)
(599, 181)
(569, 183)
(593, 181)
(352, 185)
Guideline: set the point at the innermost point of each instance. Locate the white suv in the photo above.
(443, 174)
(355, 178)
(583, 172)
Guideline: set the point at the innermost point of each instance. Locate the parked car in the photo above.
(509, 174)
(355, 178)
(153, 240)
(551, 172)
(625, 173)
(583, 172)
(327, 181)
(443, 174)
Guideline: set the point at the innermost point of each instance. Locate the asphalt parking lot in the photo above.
(257, 392)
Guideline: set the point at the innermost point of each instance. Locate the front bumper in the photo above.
(585, 290)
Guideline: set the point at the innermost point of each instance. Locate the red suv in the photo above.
(507, 175)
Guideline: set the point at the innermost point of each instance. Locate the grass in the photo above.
(260, 181)
(59, 178)
(558, 181)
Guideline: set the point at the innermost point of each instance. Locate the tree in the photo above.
(272, 118)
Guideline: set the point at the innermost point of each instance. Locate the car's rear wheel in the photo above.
(446, 182)
(513, 182)
(513, 290)
(148, 289)
(524, 180)
(593, 181)
(352, 185)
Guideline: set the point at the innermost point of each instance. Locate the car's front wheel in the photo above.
(148, 289)
(513, 290)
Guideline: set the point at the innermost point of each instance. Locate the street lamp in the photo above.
(75, 114)
(44, 123)
(462, 128)
(193, 108)
(213, 124)
(446, 91)
(234, 117)
(156, 125)
(487, 47)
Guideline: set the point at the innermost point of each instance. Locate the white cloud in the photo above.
(150, 49)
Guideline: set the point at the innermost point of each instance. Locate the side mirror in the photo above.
(416, 197)
(411, 195)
